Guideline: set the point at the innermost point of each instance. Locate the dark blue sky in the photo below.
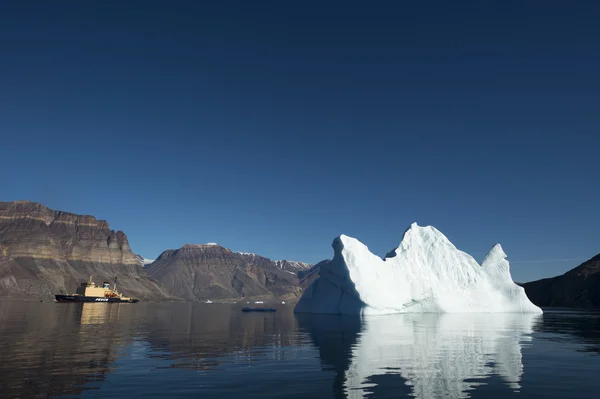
(273, 127)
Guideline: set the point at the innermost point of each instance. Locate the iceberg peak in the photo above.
(421, 236)
(344, 241)
(426, 273)
(496, 254)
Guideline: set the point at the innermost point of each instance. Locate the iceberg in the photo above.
(426, 273)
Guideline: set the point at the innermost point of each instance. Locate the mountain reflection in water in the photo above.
(49, 350)
(183, 350)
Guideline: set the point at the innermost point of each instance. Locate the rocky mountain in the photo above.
(307, 276)
(292, 266)
(287, 265)
(210, 271)
(579, 287)
(45, 252)
(143, 261)
(139, 259)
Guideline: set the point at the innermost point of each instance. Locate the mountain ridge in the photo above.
(211, 271)
(44, 252)
(578, 287)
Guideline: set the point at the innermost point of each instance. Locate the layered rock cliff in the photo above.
(210, 271)
(45, 252)
(579, 287)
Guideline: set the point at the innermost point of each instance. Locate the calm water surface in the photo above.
(185, 350)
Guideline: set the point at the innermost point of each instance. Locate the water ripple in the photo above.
(181, 350)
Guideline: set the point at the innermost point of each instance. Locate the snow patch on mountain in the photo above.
(292, 265)
(143, 261)
(289, 266)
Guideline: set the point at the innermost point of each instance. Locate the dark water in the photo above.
(189, 350)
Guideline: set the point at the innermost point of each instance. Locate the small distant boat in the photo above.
(90, 292)
(246, 309)
(208, 301)
(259, 302)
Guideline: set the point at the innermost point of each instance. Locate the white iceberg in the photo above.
(426, 273)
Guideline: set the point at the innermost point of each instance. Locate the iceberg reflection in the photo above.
(437, 355)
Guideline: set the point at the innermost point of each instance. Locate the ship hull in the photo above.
(95, 299)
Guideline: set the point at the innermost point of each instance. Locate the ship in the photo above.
(90, 292)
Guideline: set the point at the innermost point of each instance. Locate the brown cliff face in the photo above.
(199, 272)
(45, 252)
(32, 230)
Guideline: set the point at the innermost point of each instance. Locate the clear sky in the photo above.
(272, 127)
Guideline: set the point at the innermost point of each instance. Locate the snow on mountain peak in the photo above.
(426, 273)
(143, 261)
(289, 266)
(201, 246)
(292, 265)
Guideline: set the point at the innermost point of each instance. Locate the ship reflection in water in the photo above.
(50, 349)
(181, 350)
(98, 313)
